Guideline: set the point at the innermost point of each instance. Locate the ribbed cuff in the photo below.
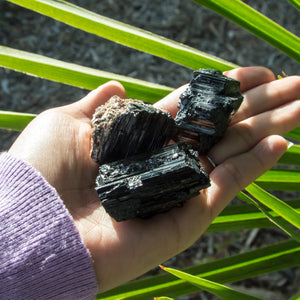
(42, 255)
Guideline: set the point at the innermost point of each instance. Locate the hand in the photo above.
(57, 143)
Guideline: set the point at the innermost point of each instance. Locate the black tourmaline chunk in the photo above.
(147, 184)
(125, 127)
(206, 108)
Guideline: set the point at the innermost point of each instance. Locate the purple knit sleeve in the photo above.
(41, 253)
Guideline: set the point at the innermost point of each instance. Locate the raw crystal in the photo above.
(125, 127)
(140, 177)
(150, 183)
(206, 108)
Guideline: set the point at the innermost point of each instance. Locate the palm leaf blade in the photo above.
(76, 75)
(261, 261)
(258, 24)
(14, 121)
(280, 180)
(125, 34)
(283, 209)
(215, 288)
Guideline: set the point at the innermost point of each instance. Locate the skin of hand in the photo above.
(57, 143)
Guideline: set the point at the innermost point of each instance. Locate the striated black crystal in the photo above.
(206, 108)
(140, 177)
(150, 183)
(125, 127)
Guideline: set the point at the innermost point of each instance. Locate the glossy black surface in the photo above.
(126, 127)
(206, 108)
(148, 184)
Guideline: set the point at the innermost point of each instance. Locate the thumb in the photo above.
(87, 105)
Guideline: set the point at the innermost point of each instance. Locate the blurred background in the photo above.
(180, 20)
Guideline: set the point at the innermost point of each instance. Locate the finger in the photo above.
(250, 77)
(87, 105)
(268, 96)
(164, 235)
(170, 102)
(237, 172)
(244, 135)
(186, 224)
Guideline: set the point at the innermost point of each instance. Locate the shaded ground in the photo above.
(183, 21)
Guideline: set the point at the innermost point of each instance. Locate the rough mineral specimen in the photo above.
(124, 127)
(206, 108)
(140, 177)
(147, 184)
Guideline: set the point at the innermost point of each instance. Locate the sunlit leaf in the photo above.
(125, 34)
(215, 288)
(280, 207)
(283, 224)
(238, 267)
(77, 75)
(296, 3)
(14, 121)
(280, 180)
(244, 216)
(258, 24)
(294, 134)
(291, 156)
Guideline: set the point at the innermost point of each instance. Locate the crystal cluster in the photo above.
(140, 175)
(206, 108)
(147, 184)
(124, 127)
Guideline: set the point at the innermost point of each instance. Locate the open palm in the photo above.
(57, 143)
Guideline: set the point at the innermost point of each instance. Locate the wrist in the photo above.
(42, 233)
